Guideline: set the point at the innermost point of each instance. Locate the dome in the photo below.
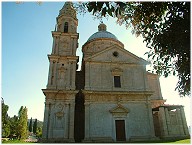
(102, 33)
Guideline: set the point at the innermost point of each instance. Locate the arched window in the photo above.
(66, 27)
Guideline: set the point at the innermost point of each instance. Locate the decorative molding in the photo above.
(116, 71)
(106, 97)
(119, 111)
(59, 115)
(157, 103)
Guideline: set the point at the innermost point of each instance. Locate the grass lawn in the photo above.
(184, 141)
(16, 141)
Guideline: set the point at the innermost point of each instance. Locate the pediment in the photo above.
(116, 54)
(119, 109)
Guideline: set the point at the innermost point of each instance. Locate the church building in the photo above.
(111, 99)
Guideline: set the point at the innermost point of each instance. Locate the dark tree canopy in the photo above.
(30, 125)
(165, 27)
(35, 126)
(5, 120)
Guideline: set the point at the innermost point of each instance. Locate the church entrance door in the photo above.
(120, 130)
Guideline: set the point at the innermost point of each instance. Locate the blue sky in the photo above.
(26, 41)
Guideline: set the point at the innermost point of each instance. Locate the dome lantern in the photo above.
(102, 27)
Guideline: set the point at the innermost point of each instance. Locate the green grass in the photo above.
(15, 141)
(184, 141)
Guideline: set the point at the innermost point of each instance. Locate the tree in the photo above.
(35, 126)
(22, 123)
(39, 132)
(165, 27)
(14, 127)
(30, 125)
(5, 120)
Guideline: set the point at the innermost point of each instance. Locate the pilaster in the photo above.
(184, 121)
(163, 123)
(50, 74)
(87, 75)
(87, 120)
(168, 121)
(152, 130)
(71, 121)
(180, 121)
(45, 122)
(67, 121)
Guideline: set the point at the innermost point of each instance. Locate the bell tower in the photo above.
(63, 58)
(60, 93)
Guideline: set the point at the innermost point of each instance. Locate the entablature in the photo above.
(58, 34)
(60, 94)
(61, 57)
(107, 97)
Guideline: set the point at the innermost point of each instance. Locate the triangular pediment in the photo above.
(119, 109)
(116, 54)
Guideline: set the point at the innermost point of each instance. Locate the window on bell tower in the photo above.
(66, 27)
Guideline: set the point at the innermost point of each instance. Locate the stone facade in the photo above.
(112, 99)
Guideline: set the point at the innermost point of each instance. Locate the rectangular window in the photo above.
(117, 82)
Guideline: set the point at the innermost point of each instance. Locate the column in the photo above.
(68, 74)
(184, 121)
(73, 75)
(50, 74)
(50, 122)
(87, 76)
(45, 122)
(168, 121)
(71, 120)
(55, 74)
(152, 130)
(56, 45)
(53, 46)
(66, 132)
(180, 121)
(163, 123)
(71, 45)
(75, 46)
(87, 120)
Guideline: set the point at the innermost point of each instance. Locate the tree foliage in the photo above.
(39, 132)
(22, 123)
(30, 125)
(14, 127)
(165, 27)
(35, 126)
(5, 120)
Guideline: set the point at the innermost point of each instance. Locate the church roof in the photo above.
(102, 33)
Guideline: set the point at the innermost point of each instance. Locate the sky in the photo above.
(27, 40)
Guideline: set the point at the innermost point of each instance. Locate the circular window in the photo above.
(115, 54)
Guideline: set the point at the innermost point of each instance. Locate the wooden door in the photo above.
(120, 130)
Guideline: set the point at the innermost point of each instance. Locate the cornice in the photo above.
(118, 92)
(105, 39)
(60, 94)
(58, 57)
(58, 33)
(113, 62)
